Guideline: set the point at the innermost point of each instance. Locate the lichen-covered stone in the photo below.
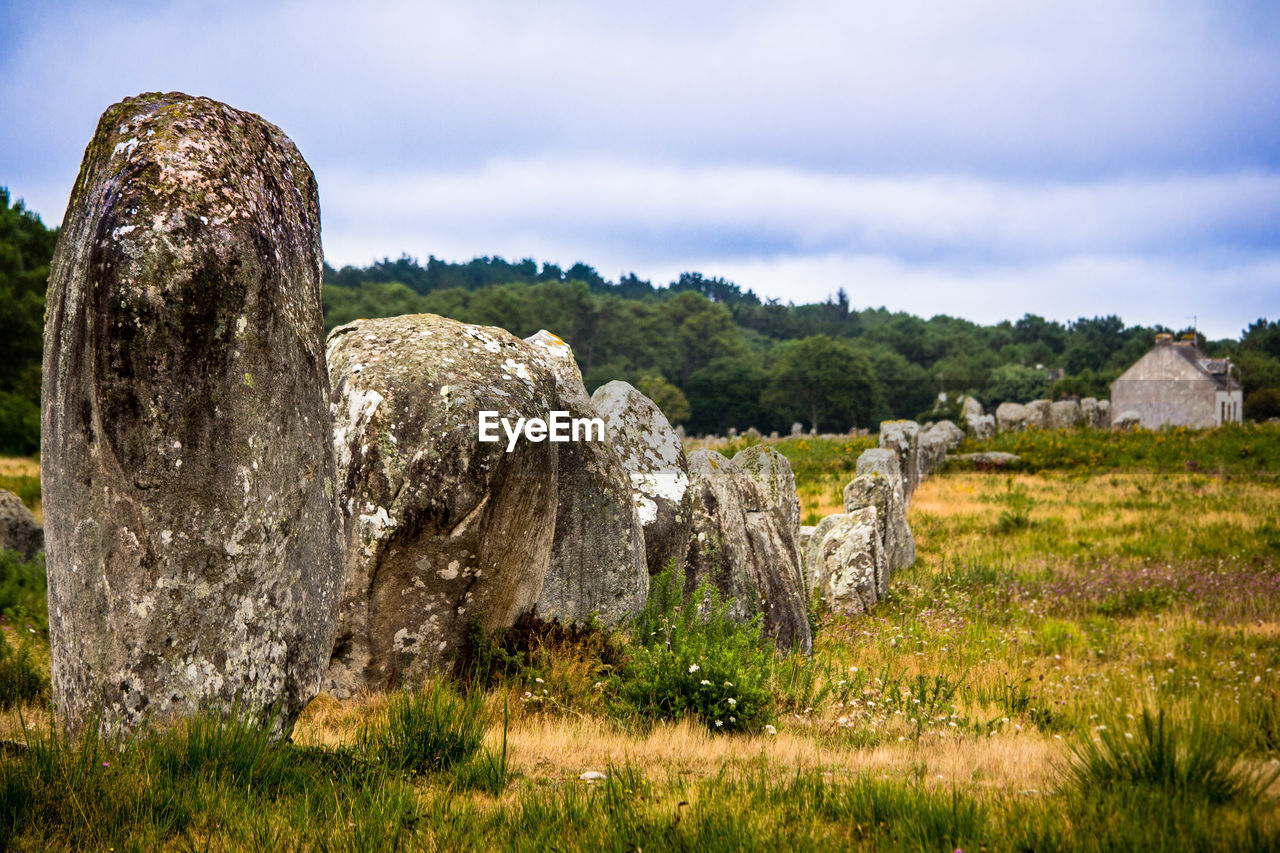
(19, 530)
(931, 452)
(736, 546)
(981, 427)
(1039, 414)
(1065, 414)
(951, 434)
(441, 529)
(903, 438)
(597, 557)
(1012, 417)
(879, 483)
(187, 461)
(849, 562)
(970, 408)
(772, 473)
(654, 458)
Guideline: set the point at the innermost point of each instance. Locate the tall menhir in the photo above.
(187, 455)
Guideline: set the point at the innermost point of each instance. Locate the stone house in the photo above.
(1176, 384)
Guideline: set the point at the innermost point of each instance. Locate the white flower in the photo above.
(719, 723)
(705, 683)
(770, 730)
(728, 684)
(733, 719)
(732, 702)
(540, 681)
(693, 667)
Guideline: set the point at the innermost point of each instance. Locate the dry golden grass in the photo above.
(19, 466)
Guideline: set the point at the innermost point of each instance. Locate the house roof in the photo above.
(1218, 369)
(1155, 365)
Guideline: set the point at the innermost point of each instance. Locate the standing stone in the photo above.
(186, 452)
(932, 451)
(1104, 414)
(970, 408)
(903, 438)
(797, 428)
(736, 546)
(879, 483)
(810, 542)
(1039, 414)
(19, 530)
(597, 555)
(1012, 417)
(850, 570)
(1127, 420)
(1065, 414)
(982, 427)
(655, 460)
(952, 436)
(1089, 412)
(442, 530)
(772, 473)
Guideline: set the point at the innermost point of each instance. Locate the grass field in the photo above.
(1086, 656)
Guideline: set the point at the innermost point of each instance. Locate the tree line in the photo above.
(711, 354)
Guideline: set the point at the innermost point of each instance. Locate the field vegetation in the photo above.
(1085, 656)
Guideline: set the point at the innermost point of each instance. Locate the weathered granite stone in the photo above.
(187, 462)
(1089, 411)
(597, 557)
(797, 428)
(736, 546)
(772, 473)
(850, 567)
(655, 460)
(1039, 414)
(932, 452)
(990, 459)
(970, 408)
(441, 529)
(981, 427)
(879, 483)
(951, 434)
(1127, 420)
(811, 541)
(753, 433)
(19, 530)
(903, 438)
(1012, 417)
(1065, 414)
(1104, 414)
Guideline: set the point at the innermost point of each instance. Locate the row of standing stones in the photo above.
(239, 515)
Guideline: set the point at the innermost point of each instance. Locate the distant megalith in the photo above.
(1013, 417)
(738, 548)
(850, 571)
(187, 460)
(597, 555)
(19, 530)
(772, 473)
(1065, 414)
(903, 438)
(981, 427)
(441, 529)
(879, 483)
(655, 461)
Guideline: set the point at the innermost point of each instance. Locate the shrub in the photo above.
(20, 680)
(689, 659)
(24, 592)
(1190, 761)
(431, 730)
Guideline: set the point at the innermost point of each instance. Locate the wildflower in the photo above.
(728, 684)
(693, 667)
(705, 683)
(539, 680)
(770, 730)
(732, 702)
(719, 724)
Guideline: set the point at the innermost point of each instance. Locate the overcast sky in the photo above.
(983, 160)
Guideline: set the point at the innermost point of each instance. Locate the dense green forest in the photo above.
(711, 354)
(716, 356)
